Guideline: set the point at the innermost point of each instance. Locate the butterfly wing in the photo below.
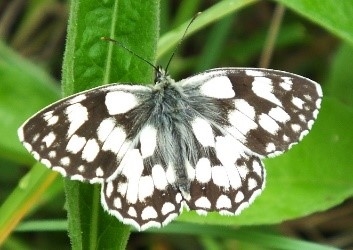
(198, 142)
(266, 110)
(85, 136)
(246, 114)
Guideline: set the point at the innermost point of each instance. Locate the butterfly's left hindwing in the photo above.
(80, 136)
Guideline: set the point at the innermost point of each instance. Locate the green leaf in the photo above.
(24, 89)
(255, 236)
(311, 177)
(24, 197)
(90, 62)
(212, 14)
(340, 82)
(336, 16)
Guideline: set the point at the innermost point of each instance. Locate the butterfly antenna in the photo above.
(182, 39)
(129, 50)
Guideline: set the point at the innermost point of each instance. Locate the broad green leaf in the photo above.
(312, 176)
(212, 14)
(340, 82)
(24, 89)
(246, 234)
(335, 16)
(90, 62)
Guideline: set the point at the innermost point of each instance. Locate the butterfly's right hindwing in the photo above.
(85, 136)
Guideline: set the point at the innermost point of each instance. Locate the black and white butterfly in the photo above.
(196, 143)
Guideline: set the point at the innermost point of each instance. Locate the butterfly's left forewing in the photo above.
(85, 136)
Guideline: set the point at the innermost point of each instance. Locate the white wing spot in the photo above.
(170, 174)
(48, 115)
(117, 203)
(52, 154)
(295, 127)
(228, 149)
(243, 171)
(298, 102)
(76, 99)
(223, 202)
(285, 138)
(53, 120)
(252, 183)
(233, 176)
(315, 113)
(105, 128)
(65, 161)
(218, 87)
(178, 198)
(146, 187)
(257, 168)
(122, 188)
(268, 124)
(286, 84)
(279, 114)
(270, 147)
(159, 177)
(203, 132)
(28, 146)
(100, 172)
(308, 97)
(252, 72)
(302, 118)
(203, 202)
(75, 144)
(132, 212)
(90, 151)
(109, 189)
(203, 170)
(132, 167)
(148, 141)
(35, 138)
(46, 162)
(239, 197)
(49, 139)
(115, 140)
(148, 213)
(77, 116)
(190, 170)
(245, 108)
(167, 208)
(35, 155)
(262, 87)
(120, 102)
(241, 122)
(304, 133)
(81, 168)
(219, 176)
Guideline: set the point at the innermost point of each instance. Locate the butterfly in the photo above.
(197, 143)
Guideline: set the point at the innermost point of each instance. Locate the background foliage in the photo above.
(314, 39)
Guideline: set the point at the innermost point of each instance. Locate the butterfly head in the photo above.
(162, 78)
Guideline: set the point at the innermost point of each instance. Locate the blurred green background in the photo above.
(306, 203)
